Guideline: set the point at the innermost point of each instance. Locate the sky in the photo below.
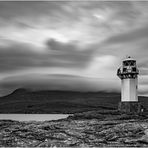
(61, 45)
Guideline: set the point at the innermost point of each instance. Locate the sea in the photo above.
(33, 117)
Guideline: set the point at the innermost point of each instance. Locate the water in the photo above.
(32, 117)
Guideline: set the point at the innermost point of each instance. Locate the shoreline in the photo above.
(87, 129)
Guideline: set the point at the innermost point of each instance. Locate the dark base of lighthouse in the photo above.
(130, 107)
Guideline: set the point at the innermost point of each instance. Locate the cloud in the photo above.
(128, 37)
(84, 41)
(62, 16)
(19, 56)
(56, 82)
(72, 54)
(12, 10)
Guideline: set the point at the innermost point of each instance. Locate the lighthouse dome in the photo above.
(129, 59)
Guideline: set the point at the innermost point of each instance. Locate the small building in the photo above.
(128, 73)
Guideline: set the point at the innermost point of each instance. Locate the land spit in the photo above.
(87, 129)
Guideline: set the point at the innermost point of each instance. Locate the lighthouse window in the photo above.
(126, 63)
(134, 69)
(129, 63)
(132, 63)
(124, 69)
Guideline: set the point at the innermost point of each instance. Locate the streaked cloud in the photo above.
(79, 43)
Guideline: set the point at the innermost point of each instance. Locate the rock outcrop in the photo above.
(89, 129)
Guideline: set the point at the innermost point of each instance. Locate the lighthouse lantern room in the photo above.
(128, 73)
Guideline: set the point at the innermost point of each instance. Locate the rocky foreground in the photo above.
(89, 129)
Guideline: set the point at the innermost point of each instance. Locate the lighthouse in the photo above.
(128, 73)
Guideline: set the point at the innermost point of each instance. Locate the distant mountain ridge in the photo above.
(57, 101)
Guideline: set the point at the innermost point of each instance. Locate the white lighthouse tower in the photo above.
(128, 73)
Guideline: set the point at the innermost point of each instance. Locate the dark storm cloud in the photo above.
(64, 13)
(129, 36)
(55, 82)
(20, 56)
(39, 81)
(25, 13)
(71, 53)
(12, 10)
(23, 25)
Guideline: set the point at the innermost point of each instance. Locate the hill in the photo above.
(27, 101)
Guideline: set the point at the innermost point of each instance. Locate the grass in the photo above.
(25, 101)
